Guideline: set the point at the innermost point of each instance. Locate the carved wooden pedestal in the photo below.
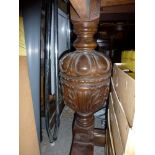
(85, 77)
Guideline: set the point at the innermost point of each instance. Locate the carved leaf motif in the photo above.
(70, 98)
(85, 100)
(98, 99)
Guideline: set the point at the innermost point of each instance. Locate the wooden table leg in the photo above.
(99, 137)
(83, 135)
(85, 76)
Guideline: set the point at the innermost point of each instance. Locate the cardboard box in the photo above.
(110, 143)
(125, 89)
(22, 46)
(113, 125)
(109, 147)
(121, 111)
(116, 132)
(128, 59)
(120, 114)
(28, 139)
(130, 146)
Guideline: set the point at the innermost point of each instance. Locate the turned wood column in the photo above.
(85, 75)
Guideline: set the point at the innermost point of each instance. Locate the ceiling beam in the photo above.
(114, 17)
(128, 8)
(105, 3)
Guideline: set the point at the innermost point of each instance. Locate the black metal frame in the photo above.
(51, 14)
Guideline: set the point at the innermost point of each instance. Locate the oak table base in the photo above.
(84, 139)
(85, 77)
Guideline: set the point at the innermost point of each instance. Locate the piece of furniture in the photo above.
(85, 77)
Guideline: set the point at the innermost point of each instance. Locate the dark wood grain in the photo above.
(85, 78)
(99, 137)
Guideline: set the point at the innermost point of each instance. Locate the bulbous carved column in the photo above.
(85, 77)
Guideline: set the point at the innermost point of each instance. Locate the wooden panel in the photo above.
(125, 88)
(28, 141)
(115, 2)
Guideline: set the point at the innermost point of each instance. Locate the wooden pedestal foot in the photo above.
(82, 149)
(99, 137)
(83, 135)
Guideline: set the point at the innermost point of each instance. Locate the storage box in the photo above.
(28, 139)
(109, 147)
(22, 46)
(125, 90)
(130, 146)
(128, 59)
(115, 132)
(120, 114)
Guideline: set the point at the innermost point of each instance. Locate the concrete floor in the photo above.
(63, 144)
